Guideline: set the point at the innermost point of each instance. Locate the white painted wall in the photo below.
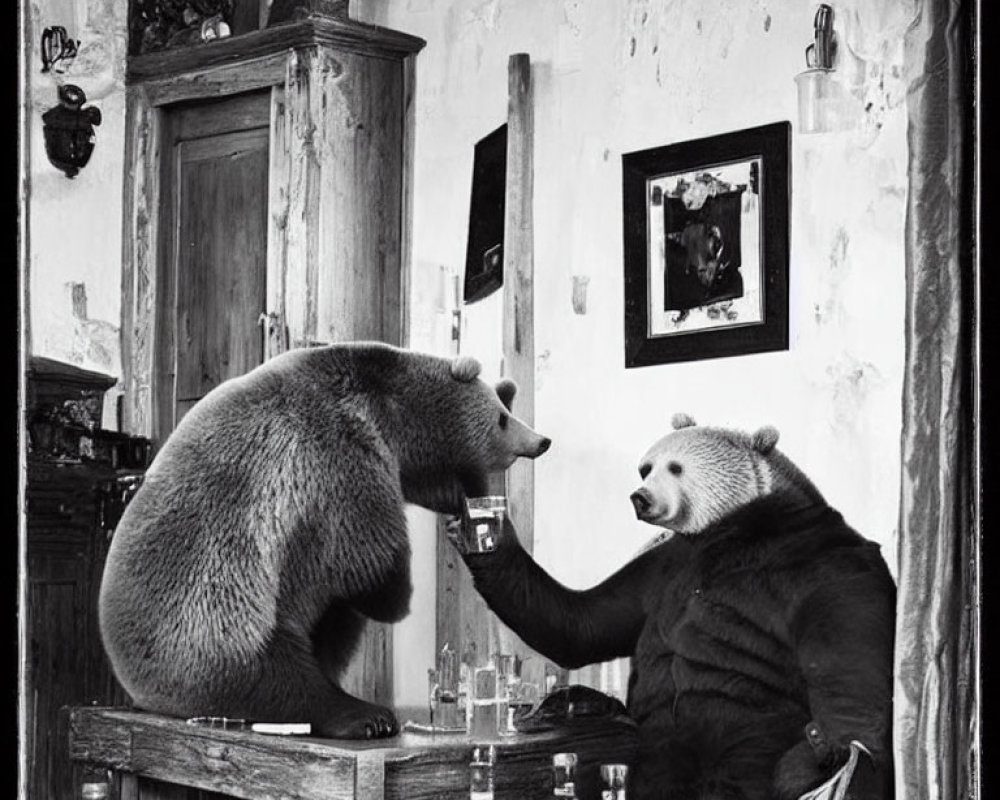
(75, 234)
(613, 77)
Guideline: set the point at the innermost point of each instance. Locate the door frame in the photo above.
(145, 281)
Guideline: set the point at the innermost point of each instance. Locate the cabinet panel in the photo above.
(66, 661)
(214, 246)
(221, 259)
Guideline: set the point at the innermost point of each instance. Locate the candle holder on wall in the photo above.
(57, 46)
(824, 102)
(69, 130)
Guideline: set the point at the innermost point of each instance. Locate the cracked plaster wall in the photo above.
(613, 77)
(75, 224)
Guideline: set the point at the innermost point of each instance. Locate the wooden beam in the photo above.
(143, 135)
(518, 284)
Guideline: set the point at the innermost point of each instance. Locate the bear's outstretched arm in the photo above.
(571, 627)
(844, 634)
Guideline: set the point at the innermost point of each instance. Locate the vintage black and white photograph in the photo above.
(502, 400)
(704, 245)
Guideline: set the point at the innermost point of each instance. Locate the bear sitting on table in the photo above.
(760, 634)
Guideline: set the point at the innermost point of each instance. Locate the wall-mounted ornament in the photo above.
(57, 46)
(69, 130)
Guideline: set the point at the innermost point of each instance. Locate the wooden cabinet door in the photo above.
(215, 194)
(66, 664)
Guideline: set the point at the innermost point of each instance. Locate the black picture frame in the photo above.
(484, 247)
(695, 286)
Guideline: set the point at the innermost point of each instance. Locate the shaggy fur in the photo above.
(271, 524)
(772, 617)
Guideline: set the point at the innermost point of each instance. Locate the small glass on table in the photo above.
(443, 692)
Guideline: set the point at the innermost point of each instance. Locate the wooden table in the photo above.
(157, 758)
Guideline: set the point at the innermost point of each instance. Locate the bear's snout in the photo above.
(641, 501)
(544, 444)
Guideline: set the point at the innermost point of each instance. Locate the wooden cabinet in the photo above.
(74, 471)
(266, 207)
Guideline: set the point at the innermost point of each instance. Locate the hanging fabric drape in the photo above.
(935, 704)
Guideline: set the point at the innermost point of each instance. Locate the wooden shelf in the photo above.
(151, 753)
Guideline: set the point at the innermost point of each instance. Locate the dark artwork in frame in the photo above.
(484, 251)
(706, 241)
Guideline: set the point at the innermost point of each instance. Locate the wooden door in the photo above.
(214, 248)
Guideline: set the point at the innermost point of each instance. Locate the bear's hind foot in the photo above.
(358, 720)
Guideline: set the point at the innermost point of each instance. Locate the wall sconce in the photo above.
(69, 130)
(824, 104)
(57, 46)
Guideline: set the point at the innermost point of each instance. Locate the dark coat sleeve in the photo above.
(571, 627)
(843, 631)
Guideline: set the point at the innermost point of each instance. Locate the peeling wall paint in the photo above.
(614, 77)
(75, 234)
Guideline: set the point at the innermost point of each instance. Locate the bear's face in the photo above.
(695, 476)
(479, 436)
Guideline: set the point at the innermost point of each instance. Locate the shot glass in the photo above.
(613, 777)
(485, 703)
(521, 700)
(483, 522)
(564, 775)
(446, 699)
(484, 758)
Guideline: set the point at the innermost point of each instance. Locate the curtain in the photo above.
(936, 706)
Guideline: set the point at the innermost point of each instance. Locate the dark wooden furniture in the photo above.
(76, 473)
(154, 758)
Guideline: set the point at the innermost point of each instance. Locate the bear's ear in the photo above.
(765, 439)
(465, 369)
(506, 389)
(682, 420)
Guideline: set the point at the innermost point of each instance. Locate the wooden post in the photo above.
(462, 615)
(518, 284)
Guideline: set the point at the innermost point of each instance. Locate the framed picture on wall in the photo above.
(706, 247)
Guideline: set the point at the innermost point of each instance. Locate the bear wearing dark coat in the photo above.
(760, 633)
(271, 525)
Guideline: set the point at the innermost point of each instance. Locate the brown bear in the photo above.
(271, 524)
(760, 630)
